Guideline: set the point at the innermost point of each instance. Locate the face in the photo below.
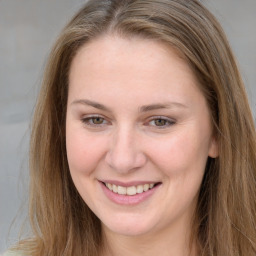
(138, 134)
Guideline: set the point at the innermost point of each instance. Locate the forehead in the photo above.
(129, 66)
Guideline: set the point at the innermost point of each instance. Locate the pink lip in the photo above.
(125, 199)
(128, 184)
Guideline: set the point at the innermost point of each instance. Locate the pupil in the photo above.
(160, 122)
(97, 120)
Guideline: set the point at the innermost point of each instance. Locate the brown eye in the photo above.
(160, 122)
(94, 121)
(97, 120)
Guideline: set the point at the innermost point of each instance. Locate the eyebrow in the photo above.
(156, 106)
(144, 108)
(92, 104)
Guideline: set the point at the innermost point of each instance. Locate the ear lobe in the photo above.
(214, 148)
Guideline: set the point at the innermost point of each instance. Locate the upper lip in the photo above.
(128, 184)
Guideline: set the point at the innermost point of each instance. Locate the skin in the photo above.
(169, 143)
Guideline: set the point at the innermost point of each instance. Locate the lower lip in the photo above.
(126, 199)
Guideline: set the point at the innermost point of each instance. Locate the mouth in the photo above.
(131, 190)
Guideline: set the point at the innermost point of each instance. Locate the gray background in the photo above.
(28, 29)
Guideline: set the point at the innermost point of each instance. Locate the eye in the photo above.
(94, 121)
(161, 122)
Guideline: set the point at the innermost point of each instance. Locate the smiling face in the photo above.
(137, 124)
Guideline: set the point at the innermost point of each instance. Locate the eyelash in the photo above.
(167, 121)
(88, 120)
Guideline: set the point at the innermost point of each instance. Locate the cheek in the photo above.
(83, 152)
(181, 154)
(182, 159)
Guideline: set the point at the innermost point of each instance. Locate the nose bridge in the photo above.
(124, 153)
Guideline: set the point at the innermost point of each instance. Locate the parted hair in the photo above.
(225, 218)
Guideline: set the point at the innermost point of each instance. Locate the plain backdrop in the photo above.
(28, 28)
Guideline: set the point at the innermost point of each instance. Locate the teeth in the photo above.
(110, 187)
(133, 190)
(114, 188)
(140, 189)
(146, 187)
(121, 190)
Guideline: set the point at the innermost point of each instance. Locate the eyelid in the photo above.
(85, 120)
(170, 121)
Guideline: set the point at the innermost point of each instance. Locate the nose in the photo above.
(125, 154)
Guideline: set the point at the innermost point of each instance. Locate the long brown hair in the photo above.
(225, 221)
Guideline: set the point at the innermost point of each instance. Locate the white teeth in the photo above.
(121, 190)
(110, 187)
(139, 189)
(133, 190)
(146, 187)
(114, 188)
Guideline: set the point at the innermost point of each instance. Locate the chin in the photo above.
(125, 227)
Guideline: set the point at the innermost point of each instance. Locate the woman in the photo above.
(143, 141)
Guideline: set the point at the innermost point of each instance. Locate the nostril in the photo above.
(125, 161)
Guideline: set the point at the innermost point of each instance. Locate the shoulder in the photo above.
(12, 253)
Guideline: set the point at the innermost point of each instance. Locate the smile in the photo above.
(130, 191)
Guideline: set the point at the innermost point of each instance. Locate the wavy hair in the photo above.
(225, 221)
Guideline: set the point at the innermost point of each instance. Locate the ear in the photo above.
(213, 148)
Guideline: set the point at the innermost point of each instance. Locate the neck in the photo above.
(174, 241)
